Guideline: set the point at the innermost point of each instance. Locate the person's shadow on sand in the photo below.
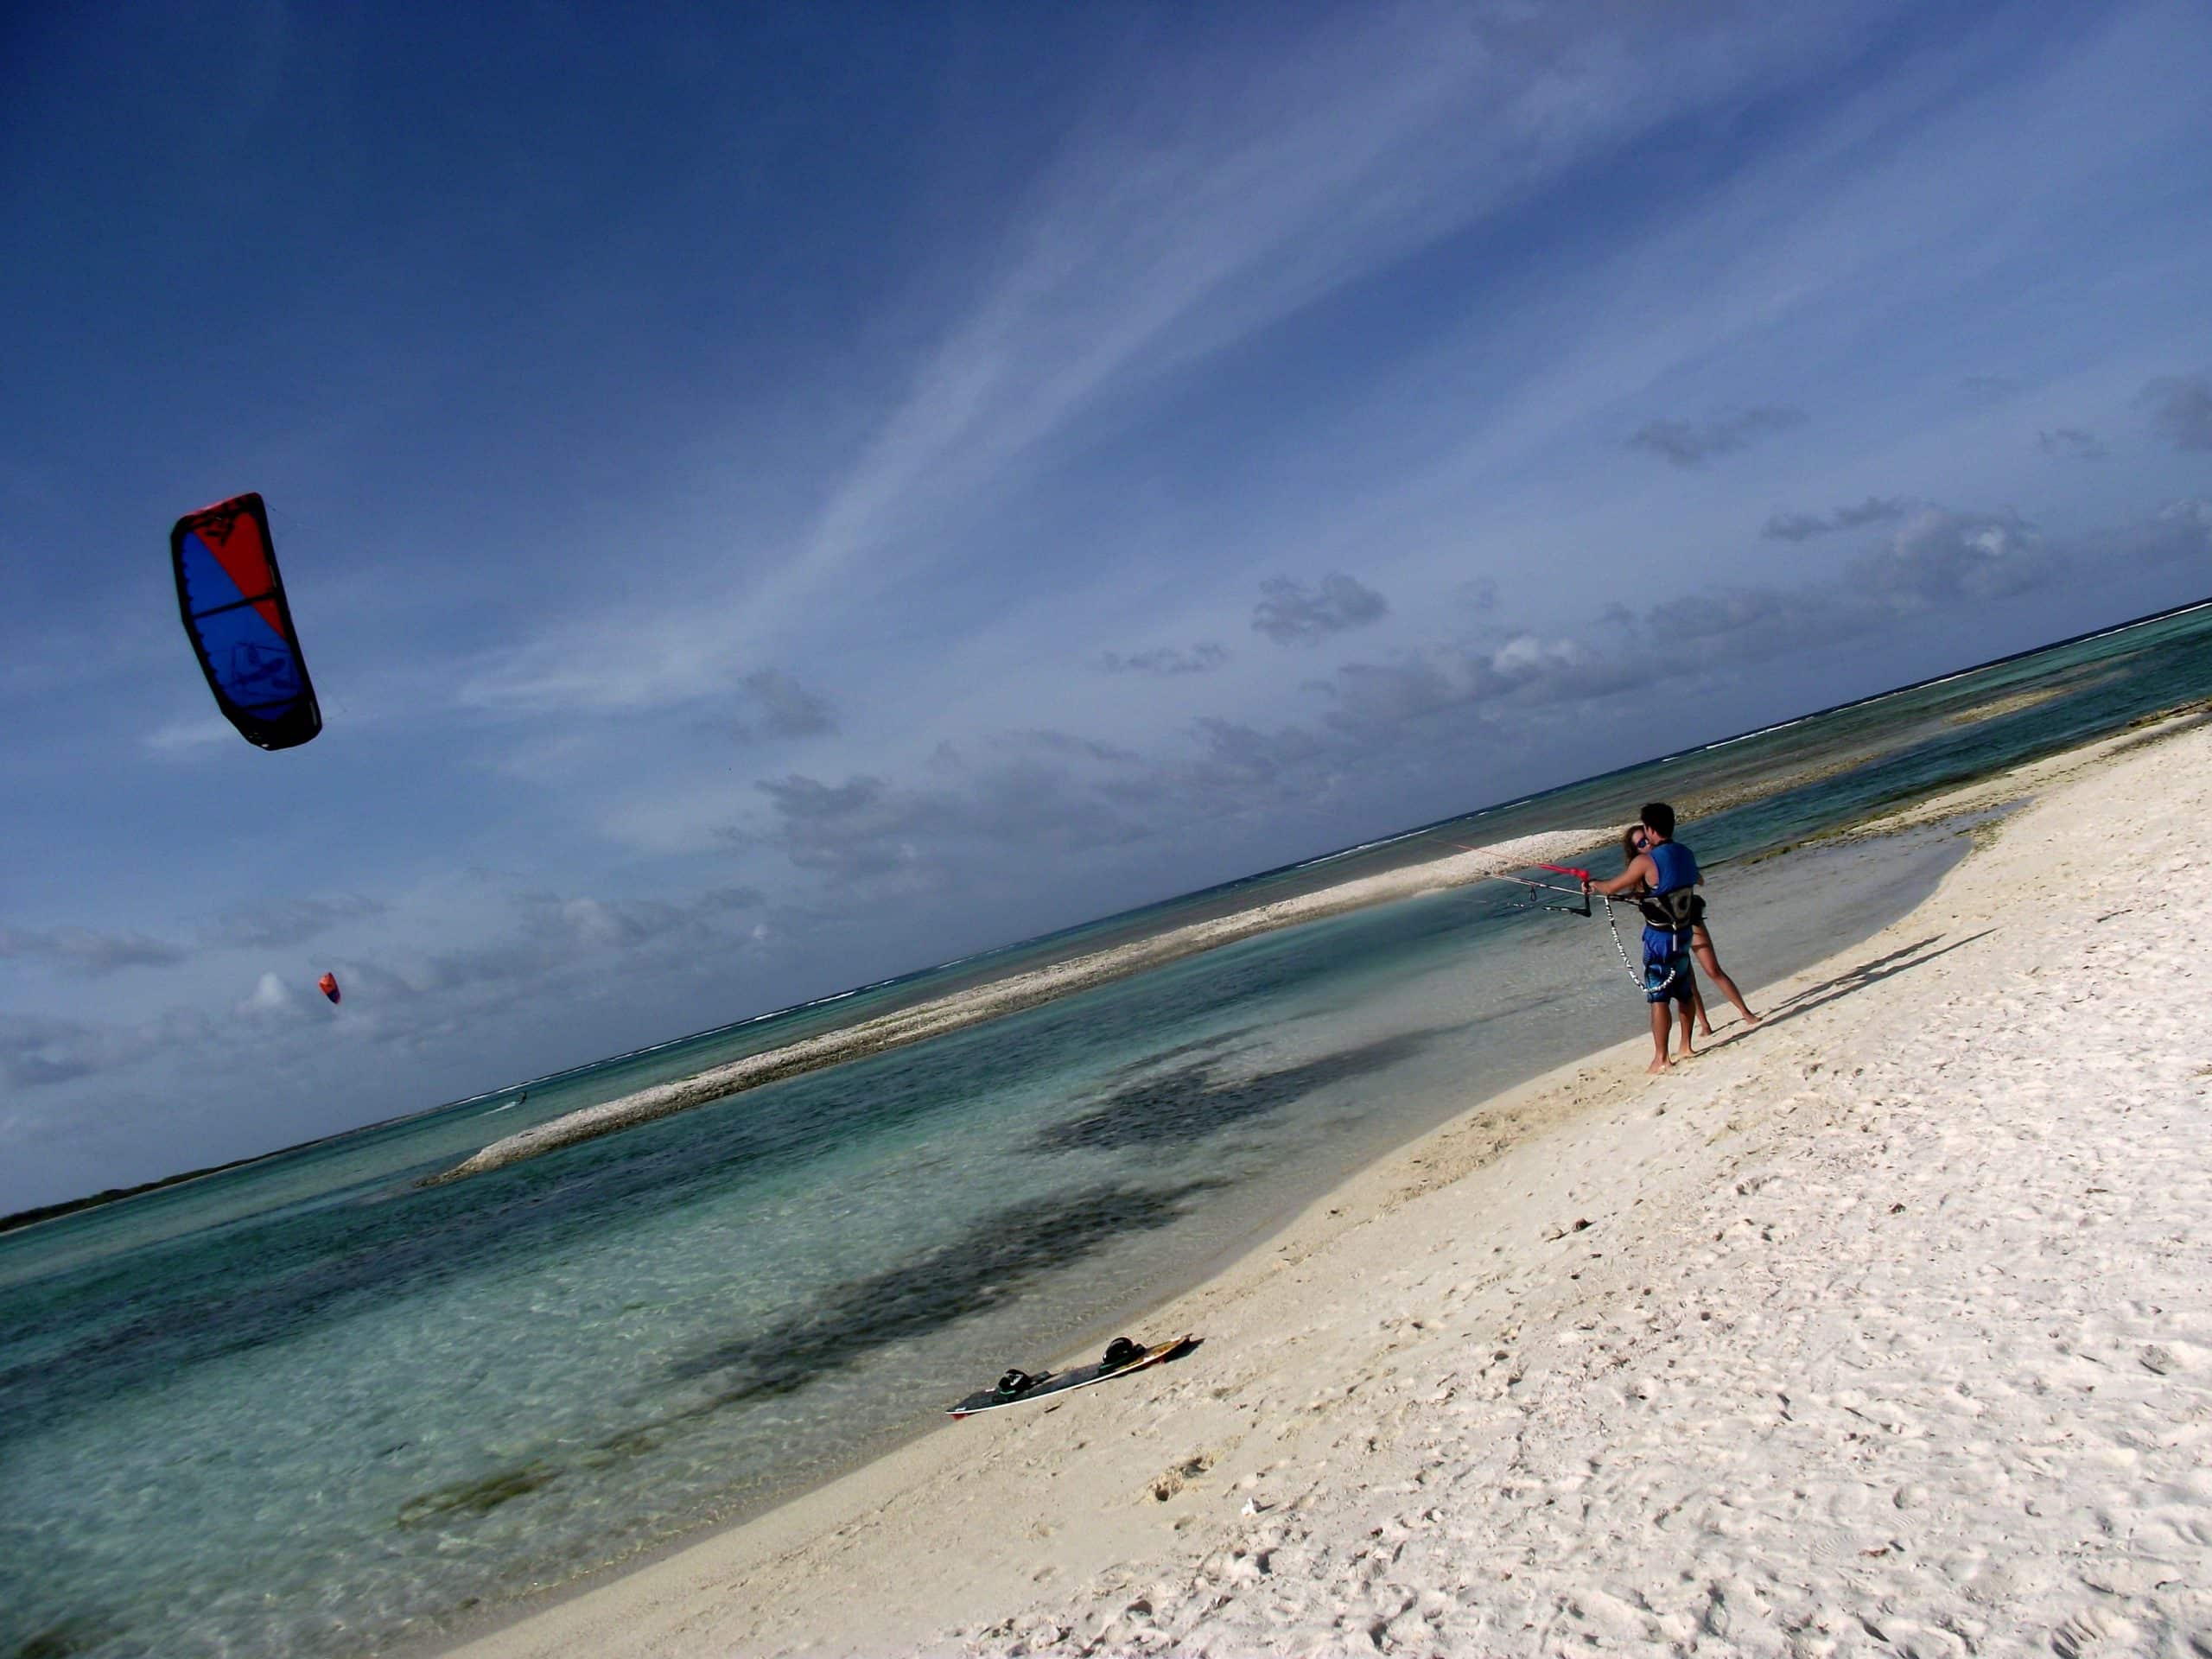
(1873, 972)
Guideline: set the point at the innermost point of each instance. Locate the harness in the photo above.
(1675, 908)
(1683, 907)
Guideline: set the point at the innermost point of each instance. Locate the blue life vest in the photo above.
(1674, 904)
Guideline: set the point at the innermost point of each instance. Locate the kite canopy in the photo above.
(234, 612)
(329, 986)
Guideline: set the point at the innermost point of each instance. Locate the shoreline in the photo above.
(755, 1582)
(1893, 879)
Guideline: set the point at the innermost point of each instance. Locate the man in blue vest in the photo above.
(1668, 872)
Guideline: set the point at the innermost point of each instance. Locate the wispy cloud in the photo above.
(1031, 798)
(277, 923)
(273, 998)
(531, 951)
(1691, 443)
(1291, 613)
(38, 1051)
(2071, 443)
(2181, 410)
(1167, 661)
(1803, 526)
(778, 706)
(1478, 594)
(1040, 740)
(88, 951)
(1449, 702)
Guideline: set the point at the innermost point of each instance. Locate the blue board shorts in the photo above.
(1666, 965)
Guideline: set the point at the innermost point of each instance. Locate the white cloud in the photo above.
(272, 998)
(186, 737)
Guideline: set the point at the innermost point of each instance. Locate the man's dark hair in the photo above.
(1660, 817)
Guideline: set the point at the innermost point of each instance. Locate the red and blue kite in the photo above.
(234, 610)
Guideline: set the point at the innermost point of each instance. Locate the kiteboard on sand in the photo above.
(1018, 1387)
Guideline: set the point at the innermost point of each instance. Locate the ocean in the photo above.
(310, 1404)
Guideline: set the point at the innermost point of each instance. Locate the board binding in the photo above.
(1054, 1383)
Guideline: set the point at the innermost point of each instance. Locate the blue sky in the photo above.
(777, 497)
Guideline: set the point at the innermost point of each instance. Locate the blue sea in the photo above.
(309, 1405)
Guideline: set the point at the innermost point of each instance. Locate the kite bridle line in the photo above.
(1585, 892)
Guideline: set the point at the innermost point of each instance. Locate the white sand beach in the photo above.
(1882, 1328)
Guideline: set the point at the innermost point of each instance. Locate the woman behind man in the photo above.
(1636, 839)
(1632, 840)
(1662, 876)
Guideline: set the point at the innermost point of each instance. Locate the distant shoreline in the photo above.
(38, 1213)
(1011, 994)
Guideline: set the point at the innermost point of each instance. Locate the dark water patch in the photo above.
(1214, 1044)
(123, 1325)
(119, 1325)
(239, 1288)
(1191, 1101)
(478, 1497)
(986, 1266)
(63, 1641)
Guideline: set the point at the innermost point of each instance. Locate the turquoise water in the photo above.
(308, 1405)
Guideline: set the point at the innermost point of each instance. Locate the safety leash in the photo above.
(1614, 928)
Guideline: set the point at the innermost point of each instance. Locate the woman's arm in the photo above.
(1640, 872)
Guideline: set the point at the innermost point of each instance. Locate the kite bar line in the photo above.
(1583, 892)
(1541, 887)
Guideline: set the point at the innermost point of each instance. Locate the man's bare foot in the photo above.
(1655, 1068)
(1706, 1032)
(1750, 1018)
